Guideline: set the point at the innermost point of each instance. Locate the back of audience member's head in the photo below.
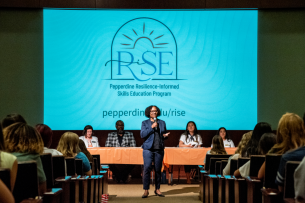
(252, 146)
(290, 134)
(68, 144)
(84, 149)
(2, 144)
(266, 142)
(218, 146)
(46, 134)
(243, 143)
(20, 137)
(11, 119)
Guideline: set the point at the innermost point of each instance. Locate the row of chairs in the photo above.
(66, 182)
(216, 188)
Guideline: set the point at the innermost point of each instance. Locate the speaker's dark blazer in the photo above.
(147, 133)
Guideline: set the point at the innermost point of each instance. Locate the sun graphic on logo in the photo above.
(141, 36)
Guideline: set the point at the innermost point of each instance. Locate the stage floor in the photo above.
(173, 194)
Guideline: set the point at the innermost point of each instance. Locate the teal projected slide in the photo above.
(101, 66)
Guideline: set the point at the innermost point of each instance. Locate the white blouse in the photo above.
(191, 139)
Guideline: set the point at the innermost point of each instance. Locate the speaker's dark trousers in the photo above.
(150, 156)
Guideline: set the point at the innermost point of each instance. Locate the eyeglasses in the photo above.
(153, 111)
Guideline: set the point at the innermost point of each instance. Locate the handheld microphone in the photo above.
(155, 120)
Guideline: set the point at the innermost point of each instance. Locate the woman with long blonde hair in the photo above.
(68, 146)
(290, 135)
(241, 146)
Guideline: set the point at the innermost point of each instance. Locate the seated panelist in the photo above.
(120, 138)
(227, 142)
(190, 138)
(88, 138)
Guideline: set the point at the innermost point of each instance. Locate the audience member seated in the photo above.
(297, 124)
(190, 138)
(253, 147)
(294, 155)
(11, 119)
(46, 135)
(120, 138)
(25, 142)
(84, 149)
(289, 137)
(299, 179)
(266, 142)
(88, 138)
(242, 144)
(68, 146)
(8, 161)
(5, 194)
(299, 182)
(218, 147)
(222, 132)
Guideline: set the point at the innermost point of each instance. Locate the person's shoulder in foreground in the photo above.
(299, 181)
(295, 155)
(7, 160)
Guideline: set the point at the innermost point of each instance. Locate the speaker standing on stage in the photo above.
(153, 131)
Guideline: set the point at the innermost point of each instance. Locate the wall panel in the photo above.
(21, 63)
(68, 3)
(20, 3)
(281, 64)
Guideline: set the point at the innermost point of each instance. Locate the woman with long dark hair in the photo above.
(265, 144)
(190, 138)
(154, 132)
(252, 146)
(227, 142)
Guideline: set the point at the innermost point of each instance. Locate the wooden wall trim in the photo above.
(20, 3)
(154, 4)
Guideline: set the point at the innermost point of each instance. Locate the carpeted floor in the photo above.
(133, 192)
